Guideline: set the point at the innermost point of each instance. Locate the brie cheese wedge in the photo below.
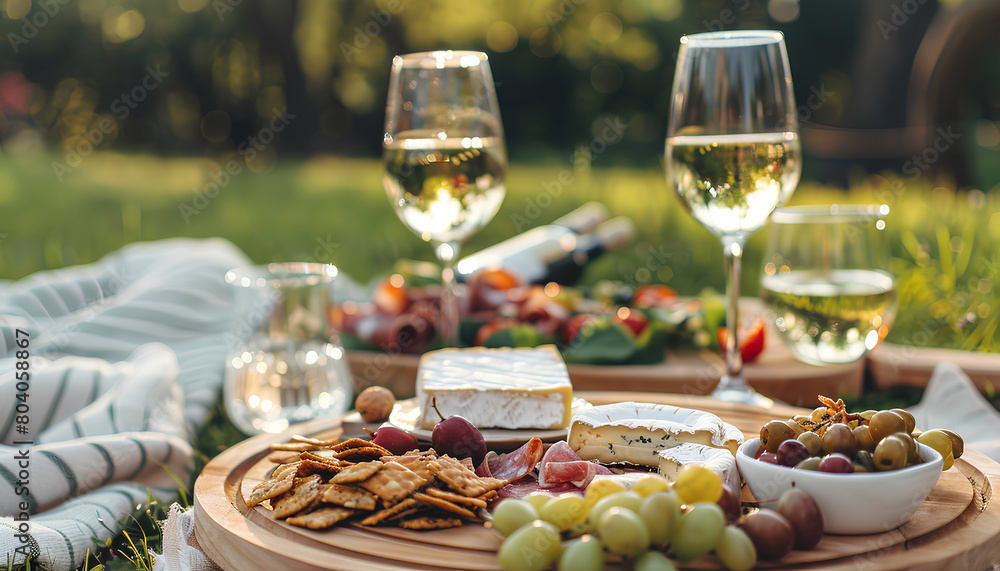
(718, 460)
(496, 388)
(637, 432)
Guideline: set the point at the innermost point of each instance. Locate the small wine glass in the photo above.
(826, 281)
(733, 153)
(444, 157)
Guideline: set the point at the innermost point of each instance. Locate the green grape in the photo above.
(653, 561)
(774, 433)
(698, 531)
(698, 484)
(563, 512)
(533, 547)
(623, 531)
(584, 554)
(511, 514)
(660, 512)
(538, 499)
(813, 442)
(735, 550)
(627, 499)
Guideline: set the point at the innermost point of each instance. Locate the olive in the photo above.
(911, 423)
(890, 454)
(839, 438)
(813, 442)
(865, 459)
(796, 427)
(957, 443)
(864, 438)
(884, 423)
(773, 434)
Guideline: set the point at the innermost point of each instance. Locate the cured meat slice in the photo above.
(562, 465)
(513, 465)
(521, 488)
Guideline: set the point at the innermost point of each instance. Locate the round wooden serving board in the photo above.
(957, 527)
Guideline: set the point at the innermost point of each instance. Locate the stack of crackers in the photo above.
(328, 482)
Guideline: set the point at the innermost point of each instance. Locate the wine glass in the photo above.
(444, 157)
(733, 153)
(826, 280)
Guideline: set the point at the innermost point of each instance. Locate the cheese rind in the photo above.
(517, 388)
(718, 460)
(636, 432)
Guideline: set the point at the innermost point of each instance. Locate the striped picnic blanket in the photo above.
(106, 371)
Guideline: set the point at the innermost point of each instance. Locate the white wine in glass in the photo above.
(444, 157)
(826, 280)
(733, 153)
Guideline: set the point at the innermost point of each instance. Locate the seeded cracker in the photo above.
(350, 497)
(431, 523)
(416, 464)
(461, 479)
(359, 443)
(393, 483)
(357, 473)
(321, 518)
(456, 498)
(280, 482)
(378, 516)
(309, 467)
(293, 446)
(313, 441)
(303, 492)
(444, 505)
(366, 454)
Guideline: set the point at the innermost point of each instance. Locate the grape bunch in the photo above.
(830, 439)
(653, 524)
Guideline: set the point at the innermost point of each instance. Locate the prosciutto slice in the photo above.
(562, 465)
(521, 488)
(513, 465)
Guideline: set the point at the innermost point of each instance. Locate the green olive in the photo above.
(884, 423)
(890, 454)
(813, 442)
(773, 434)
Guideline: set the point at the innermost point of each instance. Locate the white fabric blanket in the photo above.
(122, 363)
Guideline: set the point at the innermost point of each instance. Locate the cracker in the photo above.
(381, 515)
(359, 443)
(350, 497)
(302, 494)
(293, 446)
(456, 498)
(416, 464)
(467, 462)
(314, 441)
(443, 504)
(357, 473)
(324, 455)
(309, 467)
(393, 483)
(364, 454)
(322, 518)
(462, 480)
(284, 457)
(406, 513)
(280, 482)
(425, 522)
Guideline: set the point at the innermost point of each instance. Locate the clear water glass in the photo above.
(286, 364)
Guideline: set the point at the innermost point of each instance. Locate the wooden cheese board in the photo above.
(957, 527)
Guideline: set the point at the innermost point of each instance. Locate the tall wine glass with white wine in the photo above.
(826, 280)
(444, 157)
(733, 153)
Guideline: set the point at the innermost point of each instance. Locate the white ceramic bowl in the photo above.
(852, 504)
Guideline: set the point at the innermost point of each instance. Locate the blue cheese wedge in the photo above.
(637, 432)
(718, 460)
(520, 388)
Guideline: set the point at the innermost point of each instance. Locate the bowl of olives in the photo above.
(853, 502)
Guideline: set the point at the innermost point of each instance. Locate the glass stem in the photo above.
(733, 252)
(447, 253)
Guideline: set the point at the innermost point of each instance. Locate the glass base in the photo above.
(741, 394)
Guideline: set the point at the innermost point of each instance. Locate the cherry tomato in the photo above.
(572, 327)
(653, 295)
(751, 340)
(494, 325)
(633, 319)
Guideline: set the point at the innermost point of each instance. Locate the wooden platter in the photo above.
(957, 527)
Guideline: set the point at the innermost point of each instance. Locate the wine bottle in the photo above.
(550, 253)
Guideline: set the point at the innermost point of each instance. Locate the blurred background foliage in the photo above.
(261, 121)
